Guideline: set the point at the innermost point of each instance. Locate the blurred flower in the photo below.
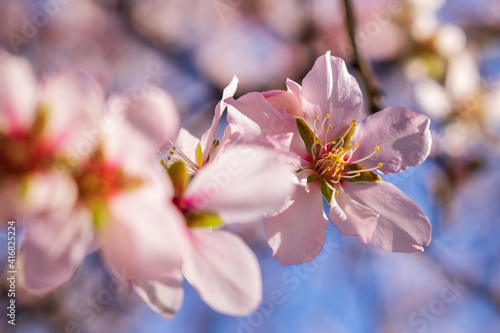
(41, 127)
(389, 141)
(120, 205)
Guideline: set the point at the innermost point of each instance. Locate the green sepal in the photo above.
(179, 176)
(327, 192)
(313, 177)
(365, 176)
(100, 214)
(203, 220)
(306, 134)
(199, 156)
(348, 136)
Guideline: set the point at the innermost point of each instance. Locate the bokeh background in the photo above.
(438, 58)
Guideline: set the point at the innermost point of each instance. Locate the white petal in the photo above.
(242, 184)
(163, 295)
(226, 273)
(297, 233)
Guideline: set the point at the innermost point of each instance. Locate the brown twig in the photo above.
(370, 82)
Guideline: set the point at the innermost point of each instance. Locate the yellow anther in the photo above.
(316, 118)
(168, 158)
(328, 169)
(171, 152)
(341, 149)
(356, 145)
(330, 127)
(330, 153)
(348, 147)
(380, 165)
(341, 138)
(377, 148)
(173, 148)
(358, 174)
(316, 142)
(354, 123)
(328, 115)
(336, 192)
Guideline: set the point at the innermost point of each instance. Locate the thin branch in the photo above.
(370, 82)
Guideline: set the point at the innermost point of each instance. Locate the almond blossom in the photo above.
(341, 160)
(39, 123)
(216, 183)
(122, 207)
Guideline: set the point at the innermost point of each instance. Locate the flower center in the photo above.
(25, 151)
(332, 161)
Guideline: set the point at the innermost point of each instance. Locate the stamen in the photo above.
(366, 157)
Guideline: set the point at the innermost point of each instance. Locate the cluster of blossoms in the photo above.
(154, 200)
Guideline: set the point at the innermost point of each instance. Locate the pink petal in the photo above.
(260, 118)
(226, 273)
(242, 184)
(329, 88)
(54, 249)
(208, 137)
(286, 101)
(187, 143)
(402, 226)
(76, 105)
(155, 115)
(145, 236)
(49, 192)
(297, 233)
(402, 135)
(294, 88)
(164, 295)
(352, 218)
(18, 93)
(128, 148)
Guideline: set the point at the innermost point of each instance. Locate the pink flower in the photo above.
(123, 207)
(339, 158)
(216, 183)
(39, 124)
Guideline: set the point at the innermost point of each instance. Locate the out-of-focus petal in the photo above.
(329, 89)
(208, 137)
(432, 98)
(145, 235)
(297, 233)
(18, 93)
(75, 105)
(163, 295)
(462, 77)
(54, 248)
(352, 218)
(49, 192)
(402, 226)
(242, 184)
(155, 116)
(402, 135)
(226, 273)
